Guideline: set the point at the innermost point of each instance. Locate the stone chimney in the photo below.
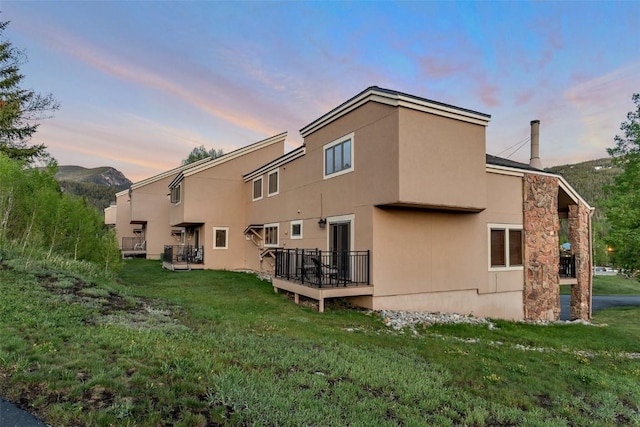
(535, 145)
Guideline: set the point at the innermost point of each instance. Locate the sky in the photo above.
(141, 83)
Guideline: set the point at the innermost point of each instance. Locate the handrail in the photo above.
(316, 268)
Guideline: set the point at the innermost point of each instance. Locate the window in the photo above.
(505, 247)
(296, 229)
(220, 237)
(271, 235)
(257, 189)
(273, 182)
(338, 157)
(175, 194)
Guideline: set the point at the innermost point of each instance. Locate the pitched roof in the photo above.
(227, 157)
(396, 99)
(499, 161)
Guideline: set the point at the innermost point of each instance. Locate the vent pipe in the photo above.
(534, 162)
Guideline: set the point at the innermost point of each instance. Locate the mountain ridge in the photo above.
(98, 186)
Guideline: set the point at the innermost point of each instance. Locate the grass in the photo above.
(221, 348)
(610, 285)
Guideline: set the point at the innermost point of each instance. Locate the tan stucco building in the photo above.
(391, 201)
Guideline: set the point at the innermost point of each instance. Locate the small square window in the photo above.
(220, 237)
(296, 229)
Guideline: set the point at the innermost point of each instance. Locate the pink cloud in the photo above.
(438, 68)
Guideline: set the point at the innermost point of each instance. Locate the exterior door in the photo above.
(340, 245)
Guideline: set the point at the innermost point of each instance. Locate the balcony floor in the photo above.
(320, 294)
(181, 266)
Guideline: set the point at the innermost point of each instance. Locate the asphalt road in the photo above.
(12, 416)
(599, 302)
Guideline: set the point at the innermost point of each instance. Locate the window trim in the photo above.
(226, 237)
(253, 188)
(277, 173)
(296, 236)
(275, 225)
(506, 228)
(341, 140)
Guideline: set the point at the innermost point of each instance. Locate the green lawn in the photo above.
(610, 285)
(221, 348)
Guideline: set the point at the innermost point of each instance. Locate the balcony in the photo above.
(133, 247)
(567, 270)
(320, 275)
(183, 257)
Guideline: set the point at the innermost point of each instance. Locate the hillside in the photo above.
(104, 175)
(589, 178)
(97, 185)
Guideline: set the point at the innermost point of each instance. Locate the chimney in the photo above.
(535, 145)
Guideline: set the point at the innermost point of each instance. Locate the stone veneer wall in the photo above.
(580, 238)
(541, 295)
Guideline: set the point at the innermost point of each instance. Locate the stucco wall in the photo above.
(441, 162)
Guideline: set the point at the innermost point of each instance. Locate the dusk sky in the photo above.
(142, 83)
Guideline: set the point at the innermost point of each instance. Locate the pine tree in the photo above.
(20, 109)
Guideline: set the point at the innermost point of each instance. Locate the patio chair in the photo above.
(324, 270)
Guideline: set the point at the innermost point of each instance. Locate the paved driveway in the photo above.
(600, 302)
(12, 416)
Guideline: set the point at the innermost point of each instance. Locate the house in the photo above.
(207, 203)
(393, 203)
(142, 215)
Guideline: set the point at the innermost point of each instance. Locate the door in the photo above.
(339, 246)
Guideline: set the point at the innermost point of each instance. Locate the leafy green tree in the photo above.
(199, 153)
(36, 217)
(20, 109)
(623, 207)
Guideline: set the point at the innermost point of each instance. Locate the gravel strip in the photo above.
(401, 319)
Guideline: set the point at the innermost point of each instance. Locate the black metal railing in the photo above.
(134, 244)
(323, 269)
(567, 266)
(183, 254)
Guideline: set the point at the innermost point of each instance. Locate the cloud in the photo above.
(439, 68)
(602, 103)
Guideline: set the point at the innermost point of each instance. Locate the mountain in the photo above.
(104, 175)
(97, 185)
(590, 178)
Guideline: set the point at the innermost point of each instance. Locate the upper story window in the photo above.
(271, 235)
(175, 194)
(257, 189)
(505, 246)
(296, 229)
(273, 182)
(338, 157)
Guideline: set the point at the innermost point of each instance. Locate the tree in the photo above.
(623, 207)
(20, 109)
(199, 153)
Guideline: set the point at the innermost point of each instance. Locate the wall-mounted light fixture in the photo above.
(322, 222)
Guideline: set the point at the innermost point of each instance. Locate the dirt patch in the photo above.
(113, 308)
